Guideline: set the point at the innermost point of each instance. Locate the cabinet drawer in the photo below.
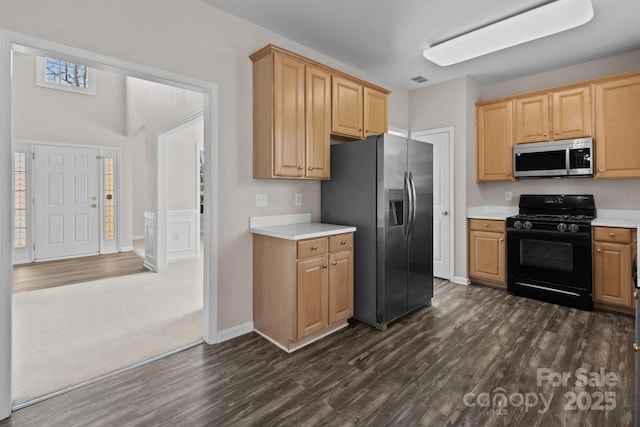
(312, 247)
(341, 242)
(612, 234)
(486, 225)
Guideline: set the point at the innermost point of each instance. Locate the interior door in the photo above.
(66, 211)
(420, 277)
(441, 201)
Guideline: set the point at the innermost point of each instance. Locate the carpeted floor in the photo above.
(71, 334)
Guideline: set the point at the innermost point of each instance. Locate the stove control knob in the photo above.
(562, 227)
(573, 228)
(527, 225)
(517, 224)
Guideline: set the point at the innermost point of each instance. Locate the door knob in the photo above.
(300, 168)
(445, 213)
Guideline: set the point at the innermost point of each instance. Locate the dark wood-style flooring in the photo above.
(49, 274)
(416, 373)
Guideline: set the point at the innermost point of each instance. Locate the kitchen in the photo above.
(445, 104)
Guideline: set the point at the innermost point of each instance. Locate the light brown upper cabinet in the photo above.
(357, 110)
(494, 141)
(348, 108)
(295, 107)
(291, 118)
(561, 114)
(617, 112)
(375, 112)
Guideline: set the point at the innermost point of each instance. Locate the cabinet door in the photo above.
(532, 119)
(347, 111)
(340, 286)
(487, 256)
(289, 117)
(612, 270)
(494, 142)
(617, 107)
(375, 112)
(313, 296)
(571, 113)
(318, 102)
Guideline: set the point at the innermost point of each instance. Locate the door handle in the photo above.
(412, 206)
(406, 202)
(93, 205)
(445, 213)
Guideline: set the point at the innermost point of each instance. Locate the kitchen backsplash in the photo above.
(609, 194)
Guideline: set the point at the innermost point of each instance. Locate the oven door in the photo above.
(551, 266)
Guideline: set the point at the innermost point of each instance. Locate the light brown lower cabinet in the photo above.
(614, 249)
(487, 257)
(302, 290)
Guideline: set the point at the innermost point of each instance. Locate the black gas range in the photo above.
(549, 249)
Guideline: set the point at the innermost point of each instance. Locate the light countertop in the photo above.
(295, 227)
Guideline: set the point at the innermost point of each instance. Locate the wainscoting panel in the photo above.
(182, 235)
(150, 244)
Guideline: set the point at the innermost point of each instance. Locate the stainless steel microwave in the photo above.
(570, 158)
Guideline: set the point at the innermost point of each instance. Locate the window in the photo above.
(109, 199)
(64, 75)
(20, 200)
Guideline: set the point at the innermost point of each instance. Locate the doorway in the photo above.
(443, 233)
(10, 43)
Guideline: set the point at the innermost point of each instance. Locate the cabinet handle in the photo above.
(335, 263)
(486, 225)
(598, 250)
(599, 170)
(544, 134)
(324, 265)
(314, 248)
(636, 347)
(557, 133)
(501, 240)
(300, 168)
(343, 242)
(310, 168)
(611, 234)
(360, 130)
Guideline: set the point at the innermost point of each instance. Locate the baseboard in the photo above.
(140, 237)
(461, 280)
(126, 249)
(234, 332)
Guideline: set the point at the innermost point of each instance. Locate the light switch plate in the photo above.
(507, 195)
(297, 200)
(262, 200)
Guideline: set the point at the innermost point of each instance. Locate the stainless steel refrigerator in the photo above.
(384, 186)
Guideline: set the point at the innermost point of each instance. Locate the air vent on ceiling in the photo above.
(419, 79)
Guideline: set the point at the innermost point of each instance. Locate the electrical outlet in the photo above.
(297, 200)
(507, 195)
(262, 200)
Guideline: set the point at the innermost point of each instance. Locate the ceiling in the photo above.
(386, 37)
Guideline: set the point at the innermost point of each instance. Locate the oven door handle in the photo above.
(533, 233)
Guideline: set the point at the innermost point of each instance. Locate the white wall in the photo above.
(51, 115)
(191, 38)
(442, 105)
(182, 168)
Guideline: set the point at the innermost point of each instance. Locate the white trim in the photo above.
(6, 240)
(308, 340)
(162, 257)
(19, 42)
(138, 237)
(150, 245)
(42, 81)
(461, 280)
(398, 132)
(126, 249)
(235, 331)
(452, 201)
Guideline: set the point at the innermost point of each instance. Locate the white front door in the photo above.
(66, 190)
(441, 140)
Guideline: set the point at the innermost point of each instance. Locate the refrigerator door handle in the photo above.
(406, 209)
(412, 206)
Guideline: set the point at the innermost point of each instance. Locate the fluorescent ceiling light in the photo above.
(551, 18)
